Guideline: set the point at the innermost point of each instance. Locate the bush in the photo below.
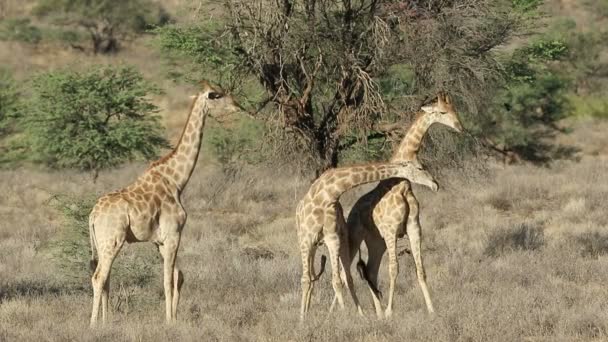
(525, 113)
(19, 30)
(107, 21)
(91, 120)
(72, 252)
(523, 237)
(8, 100)
(232, 146)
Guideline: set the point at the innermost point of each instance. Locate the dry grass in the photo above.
(516, 254)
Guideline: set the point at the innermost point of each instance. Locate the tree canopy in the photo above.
(91, 120)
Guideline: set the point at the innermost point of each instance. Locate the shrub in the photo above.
(8, 100)
(91, 120)
(107, 21)
(72, 252)
(523, 237)
(20, 30)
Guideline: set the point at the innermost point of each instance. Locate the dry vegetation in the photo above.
(514, 253)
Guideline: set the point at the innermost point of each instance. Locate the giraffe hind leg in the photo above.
(306, 280)
(414, 234)
(107, 253)
(333, 245)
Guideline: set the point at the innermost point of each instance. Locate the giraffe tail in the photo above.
(92, 240)
(362, 270)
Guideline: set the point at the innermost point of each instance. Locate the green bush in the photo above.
(106, 22)
(19, 30)
(72, 252)
(525, 114)
(238, 144)
(8, 100)
(91, 120)
(195, 52)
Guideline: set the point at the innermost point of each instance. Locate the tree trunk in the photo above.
(102, 37)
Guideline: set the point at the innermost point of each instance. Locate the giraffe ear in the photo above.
(205, 85)
(192, 97)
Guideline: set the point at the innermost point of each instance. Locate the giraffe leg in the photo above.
(306, 281)
(107, 254)
(105, 294)
(178, 282)
(313, 251)
(414, 234)
(393, 271)
(375, 250)
(169, 252)
(345, 260)
(332, 241)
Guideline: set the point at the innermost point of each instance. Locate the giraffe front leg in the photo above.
(178, 282)
(306, 280)
(393, 271)
(345, 259)
(375, 249)
(169, 252)
(414, 234)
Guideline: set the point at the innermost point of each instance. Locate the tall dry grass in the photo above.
(517, 253)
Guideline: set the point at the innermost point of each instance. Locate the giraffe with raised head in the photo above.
(391, 210)
(319, 217)
(150, 209)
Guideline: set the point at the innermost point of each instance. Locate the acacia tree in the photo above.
(90, 120)
(105, 21)
(340, 74)
(321, 62)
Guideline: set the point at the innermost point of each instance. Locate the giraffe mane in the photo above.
(166, 157)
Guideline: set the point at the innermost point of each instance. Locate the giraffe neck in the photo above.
(179, 164)
(408, 149)
(337, 181)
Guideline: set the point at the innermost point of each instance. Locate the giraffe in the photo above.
(319, 217)
(150, 209)
(391, 210)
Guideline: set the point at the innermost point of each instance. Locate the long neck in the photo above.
(179, 164)
(337, 181)
(408, 149)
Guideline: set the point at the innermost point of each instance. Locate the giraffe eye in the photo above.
(214, 96)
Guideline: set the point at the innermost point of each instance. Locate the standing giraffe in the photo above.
(391, 210)
(150, 209)
(319, 217)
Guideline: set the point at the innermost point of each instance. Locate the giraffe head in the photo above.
(414, 172)
(443, 112)
(215, 102)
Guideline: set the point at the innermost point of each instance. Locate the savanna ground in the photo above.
(513, 253)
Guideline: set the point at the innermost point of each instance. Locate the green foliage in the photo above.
(8, 100)
(132, 15)
(238, 144)
(589, 106)
(526, 5)
(20, 30)
(194, 53)
(91, 120)
(72, 252)
(526, 112)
